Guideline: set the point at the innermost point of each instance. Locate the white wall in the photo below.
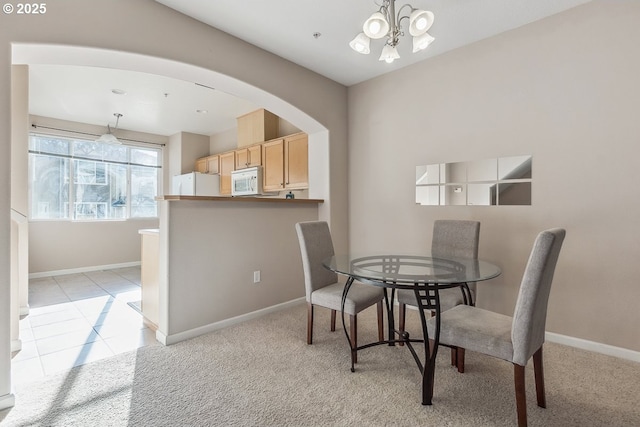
(565, 90)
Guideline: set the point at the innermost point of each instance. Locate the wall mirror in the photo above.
(501, 181)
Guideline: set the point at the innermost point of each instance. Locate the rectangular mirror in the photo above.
(489, 182)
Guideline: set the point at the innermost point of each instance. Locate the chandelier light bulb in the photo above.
(420, 21)
(376, 26)
(360, 44)
(422, 42)
(389, 54)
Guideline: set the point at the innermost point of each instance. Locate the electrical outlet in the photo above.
(256, 276)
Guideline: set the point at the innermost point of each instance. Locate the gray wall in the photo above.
(565, 90)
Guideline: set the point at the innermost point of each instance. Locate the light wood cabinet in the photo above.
(285, 163)
(273, 165)
(227, 165)
(249, 157)
(201, 165)
(257, 126)
(208, 164)
(296, 161)
(213, 164)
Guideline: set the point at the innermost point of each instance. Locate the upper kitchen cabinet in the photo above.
(285, 163)
(201, 165)
(249, 157)
(258, 126)
(227, 165)
(296, 161)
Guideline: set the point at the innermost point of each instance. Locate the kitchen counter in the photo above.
(239, 199)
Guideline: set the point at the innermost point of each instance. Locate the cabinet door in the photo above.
(201, 165)
(254, 155)
(213, 166)
(273, 165)
(242, 158)
(296, 162)
(227, 165)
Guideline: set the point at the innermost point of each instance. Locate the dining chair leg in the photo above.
(539, 378)
(521, 397)
(460, 359)
(309, 323)
(333, 320)
(353, 326)
(402, 312)
(380, 321)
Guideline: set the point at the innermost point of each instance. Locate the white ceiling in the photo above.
(283, 27)
(286, 28)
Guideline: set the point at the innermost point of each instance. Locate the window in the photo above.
(87, 180)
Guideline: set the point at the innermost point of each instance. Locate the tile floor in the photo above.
(79, 318)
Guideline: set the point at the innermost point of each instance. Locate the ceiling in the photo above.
(165, 106)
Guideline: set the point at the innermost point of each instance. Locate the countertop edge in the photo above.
(238, 199)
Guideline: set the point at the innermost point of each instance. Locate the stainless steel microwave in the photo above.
(246, 182)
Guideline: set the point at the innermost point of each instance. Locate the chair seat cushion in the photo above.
(360, 296)
(449, 298)
(475, 329)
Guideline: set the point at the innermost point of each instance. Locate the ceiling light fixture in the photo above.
(110, 138)
(385, 23)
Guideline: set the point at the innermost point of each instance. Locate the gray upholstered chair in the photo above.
(322, 287)
(514, 339)
(451, 238)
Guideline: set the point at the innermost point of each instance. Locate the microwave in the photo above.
(246, 182)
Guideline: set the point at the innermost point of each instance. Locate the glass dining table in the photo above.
(426, 276)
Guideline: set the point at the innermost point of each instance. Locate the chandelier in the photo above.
(385, 23)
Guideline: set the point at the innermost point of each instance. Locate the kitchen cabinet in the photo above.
(249, 157)
(285, 163)
(227, 165)
(273, 165)
(257, 126)
(209, 164)
(201, 165)
(296, 161)
(213, 164)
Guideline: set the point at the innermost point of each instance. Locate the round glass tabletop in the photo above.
(412, 269)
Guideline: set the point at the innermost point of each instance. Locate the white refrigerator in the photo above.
(196, 184)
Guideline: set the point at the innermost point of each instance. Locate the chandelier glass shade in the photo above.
(110, 138)
(386, 23)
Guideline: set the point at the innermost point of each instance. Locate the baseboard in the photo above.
(596, 347)
(7, 401)
(83, 269)
(16, 345)
(192, 333)
(24, 310)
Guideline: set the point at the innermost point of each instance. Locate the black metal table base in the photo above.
(428, 298)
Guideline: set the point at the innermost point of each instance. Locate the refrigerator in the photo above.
(196, 184)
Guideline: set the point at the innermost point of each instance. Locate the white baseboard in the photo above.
(192, 333)
(83, 269)
(16, 345)
(596, 347)
(7, 401)
(24, 310)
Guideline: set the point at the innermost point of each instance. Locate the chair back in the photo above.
(315, 246)
(455, 238)
(530, 315)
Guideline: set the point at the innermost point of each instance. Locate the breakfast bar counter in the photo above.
(239, 199)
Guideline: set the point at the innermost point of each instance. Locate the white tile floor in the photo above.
(79, 318)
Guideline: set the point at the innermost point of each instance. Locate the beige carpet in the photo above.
(262, 373)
